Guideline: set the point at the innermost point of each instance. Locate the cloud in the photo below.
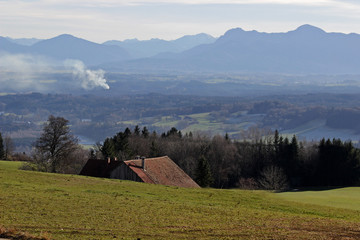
(115, 3)
(89, 79)
(144, 19)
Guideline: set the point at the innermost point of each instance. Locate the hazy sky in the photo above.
(101, 20)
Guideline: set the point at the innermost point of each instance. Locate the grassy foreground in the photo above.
(76, 207)
(348, 198)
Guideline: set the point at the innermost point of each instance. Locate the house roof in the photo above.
(161, 170)
(99, 168)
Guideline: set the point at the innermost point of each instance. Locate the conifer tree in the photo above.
(203, 172)
(137, 130)
(145, 132)
(2, 152)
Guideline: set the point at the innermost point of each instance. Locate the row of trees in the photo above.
(271, 162)
(260, 160)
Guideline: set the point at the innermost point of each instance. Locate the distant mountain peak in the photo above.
(199, 35)
(307, 28)
(128, 40)
(235, 30)
(65, 35)
(236, 34)
(65, 39)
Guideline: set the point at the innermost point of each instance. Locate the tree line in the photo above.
(259, 161)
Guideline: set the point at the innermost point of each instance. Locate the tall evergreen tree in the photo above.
(137, 130)
(145, 132)
(127, 132)
(108, 148)
(154, 152)
(293, 170)
(276, 147)
(227, 137)
(2, 151)
(203, 172)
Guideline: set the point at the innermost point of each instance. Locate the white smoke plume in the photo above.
(27, 72)
(89, 78)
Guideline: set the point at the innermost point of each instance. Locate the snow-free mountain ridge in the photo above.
(305, 50)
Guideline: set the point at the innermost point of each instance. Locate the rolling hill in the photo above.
(77, 207)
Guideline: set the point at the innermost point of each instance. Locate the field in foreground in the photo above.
(75, 207)
(348, 198)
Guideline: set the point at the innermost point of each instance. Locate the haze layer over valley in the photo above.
(218, 74)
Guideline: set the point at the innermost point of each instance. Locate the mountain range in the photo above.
(152, 47)
(66, 46)
(24, 41)
(305, 50)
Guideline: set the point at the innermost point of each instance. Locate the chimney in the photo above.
(143, 163)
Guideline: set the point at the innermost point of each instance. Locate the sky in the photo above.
(102, 20)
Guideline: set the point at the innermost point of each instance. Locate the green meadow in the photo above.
(346, 198)
(77, 207)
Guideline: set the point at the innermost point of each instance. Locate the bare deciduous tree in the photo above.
(55, 144)
(273, 178)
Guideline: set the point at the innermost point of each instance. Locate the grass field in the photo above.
(77, 207)
(203, 122)
(348, 198)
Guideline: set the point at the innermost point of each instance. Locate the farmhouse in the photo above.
(160, 170)
(99, 168)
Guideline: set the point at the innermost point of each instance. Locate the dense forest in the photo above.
(260, 161)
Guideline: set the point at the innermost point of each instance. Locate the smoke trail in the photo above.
(89, 78)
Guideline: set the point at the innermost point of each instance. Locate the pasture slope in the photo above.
(78, 207)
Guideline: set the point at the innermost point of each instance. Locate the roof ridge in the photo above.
(152, 158)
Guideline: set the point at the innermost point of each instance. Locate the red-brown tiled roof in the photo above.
(161, 170)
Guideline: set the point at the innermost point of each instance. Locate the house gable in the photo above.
(99, 168)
